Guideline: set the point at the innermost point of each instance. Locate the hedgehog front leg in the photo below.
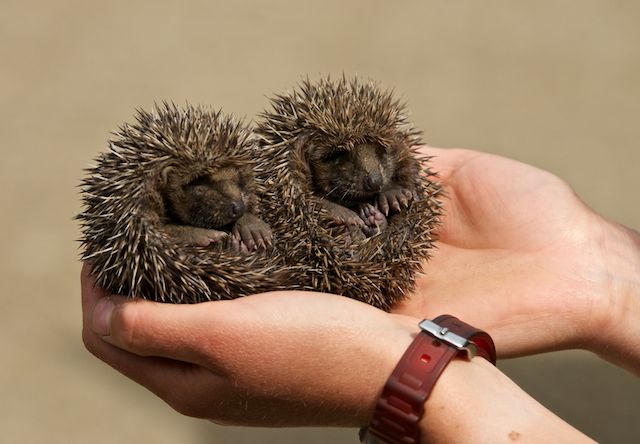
(393, 197)
(337, 215)
(201, 237)
(253, 232)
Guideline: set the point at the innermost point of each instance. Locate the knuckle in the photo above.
(126, 325)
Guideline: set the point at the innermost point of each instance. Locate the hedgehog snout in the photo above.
(373, 181)
(236, 209)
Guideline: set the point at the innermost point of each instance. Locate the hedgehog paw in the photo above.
(204, 237)
(236, 244)
(374, 221)
(394, 198)
(253, 232)
(340, 215)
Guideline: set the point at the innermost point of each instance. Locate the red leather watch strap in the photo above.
(401, 406)
(486, 348)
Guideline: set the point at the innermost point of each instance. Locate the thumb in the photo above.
(145, 328)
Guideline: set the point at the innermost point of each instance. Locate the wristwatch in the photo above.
(401, 405)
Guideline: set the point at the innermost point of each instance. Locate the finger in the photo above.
(404, 201)
(179, 384)
(445, 161)
(180, 332)
(164, 377)
(152, 372)
(109, 317)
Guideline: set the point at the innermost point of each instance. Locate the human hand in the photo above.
(521, 256)
(247, 361)
(276, 359)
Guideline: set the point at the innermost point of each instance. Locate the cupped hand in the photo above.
(276, 359)
(519, 255)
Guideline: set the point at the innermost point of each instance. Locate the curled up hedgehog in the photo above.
(346, 192)
(171, 214)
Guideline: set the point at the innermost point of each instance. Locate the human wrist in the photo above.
(400, 333)
(401, 403)
(456, 409)
(617, 334)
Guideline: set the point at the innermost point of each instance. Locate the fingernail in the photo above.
(102, 317)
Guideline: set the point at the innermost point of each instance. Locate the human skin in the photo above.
(519, 256)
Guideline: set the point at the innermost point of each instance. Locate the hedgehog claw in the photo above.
(395, 197)
(254, 233)
(383, 204)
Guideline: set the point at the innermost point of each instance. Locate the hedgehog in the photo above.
(171, 211)
(346, 192)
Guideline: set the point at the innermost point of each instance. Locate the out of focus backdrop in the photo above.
(551, 83)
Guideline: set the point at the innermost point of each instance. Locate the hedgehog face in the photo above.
(355, 175)
(210, 200)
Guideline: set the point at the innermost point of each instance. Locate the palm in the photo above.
(513, 254)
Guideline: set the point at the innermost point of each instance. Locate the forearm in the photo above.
(475, 402)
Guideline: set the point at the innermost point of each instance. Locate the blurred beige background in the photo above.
(552, 83)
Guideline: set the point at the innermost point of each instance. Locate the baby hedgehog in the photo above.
(171, 210)
(347, 193)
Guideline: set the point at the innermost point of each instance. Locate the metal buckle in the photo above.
(450, 338)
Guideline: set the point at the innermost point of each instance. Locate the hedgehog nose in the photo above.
(236, 209)
(373, 182)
